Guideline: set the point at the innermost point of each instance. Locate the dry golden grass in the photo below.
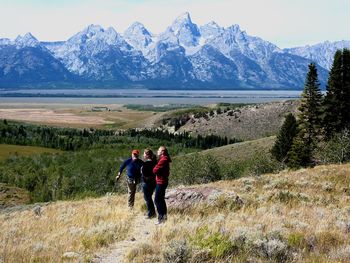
(301, 216)
(293, 216)
(77, 116)
(81, 227)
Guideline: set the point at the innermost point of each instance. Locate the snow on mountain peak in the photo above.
(186, 32)
(185, 17)
(138, 37)
(28, 40)
(96, 33)
(93, 29)
(211, 30)
(5, 41)
(136, 29)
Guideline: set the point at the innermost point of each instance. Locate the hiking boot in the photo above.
(150, 216)
(159, 222)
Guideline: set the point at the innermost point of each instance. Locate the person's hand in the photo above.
(118, 176)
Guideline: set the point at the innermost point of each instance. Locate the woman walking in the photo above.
(149, 181)
(161, 170)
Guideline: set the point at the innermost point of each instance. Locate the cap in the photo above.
(136, 152)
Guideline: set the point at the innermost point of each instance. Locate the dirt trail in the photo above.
(142, 229)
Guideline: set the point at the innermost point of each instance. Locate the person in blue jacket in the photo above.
(133, 171)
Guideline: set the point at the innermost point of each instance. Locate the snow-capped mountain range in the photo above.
(185, 55)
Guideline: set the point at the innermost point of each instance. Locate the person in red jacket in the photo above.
(161, 170)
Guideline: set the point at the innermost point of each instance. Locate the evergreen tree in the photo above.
(300, 153)
(337, 100)
(309, 121)
(285, 138)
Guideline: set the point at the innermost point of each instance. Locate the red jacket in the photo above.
(162, 169)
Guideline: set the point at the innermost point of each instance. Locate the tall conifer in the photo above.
(285, 138)
(309, 121)
(337, 100)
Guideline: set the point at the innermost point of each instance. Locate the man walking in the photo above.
(133, 171)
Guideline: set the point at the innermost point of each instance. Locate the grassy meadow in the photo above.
(292, 216)
(7, 150)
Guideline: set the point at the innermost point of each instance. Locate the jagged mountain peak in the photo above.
(138, 29)
(184, 17)
(184, 22)
(138, 37)
(236, 29)
(93, 29)
(210, 30)
(28, 40)
(212, 24)
(183, 31)
(321, 53)
(93, 33)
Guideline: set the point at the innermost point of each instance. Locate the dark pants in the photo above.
(148, 189)
(159, 200)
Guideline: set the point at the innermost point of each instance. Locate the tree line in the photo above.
(320, 131)
(78, 139)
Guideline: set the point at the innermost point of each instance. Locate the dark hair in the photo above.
(149, 153)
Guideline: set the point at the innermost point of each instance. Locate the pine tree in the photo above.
(337, 100)
(309, 121)
(346, 90)
(300, 153)
(285, 138)
(309, 117)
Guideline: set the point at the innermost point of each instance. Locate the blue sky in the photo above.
(286, 23)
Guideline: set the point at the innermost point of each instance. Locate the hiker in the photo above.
(161, 170)
(149, 181)
(133, 166)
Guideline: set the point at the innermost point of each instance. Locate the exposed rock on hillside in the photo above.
(182, 198)
(247, 123)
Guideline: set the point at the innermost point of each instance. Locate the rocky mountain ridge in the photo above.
(185, 55)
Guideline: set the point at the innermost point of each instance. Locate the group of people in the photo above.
(153, 174)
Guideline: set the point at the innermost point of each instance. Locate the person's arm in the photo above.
(159, 166)
(121, 168)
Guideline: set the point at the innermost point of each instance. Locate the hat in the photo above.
(136, 152)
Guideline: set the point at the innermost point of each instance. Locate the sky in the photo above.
(286, 23)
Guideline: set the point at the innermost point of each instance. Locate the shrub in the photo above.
(327, 240)
(272, 249)
(98, 240)
(194, 169)
(218, 243)
(262, 163)
(141, 252)
(297, 240)
(336, 150)
(177, 252)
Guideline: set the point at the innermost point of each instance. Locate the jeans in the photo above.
(148, 189)
(159, 200)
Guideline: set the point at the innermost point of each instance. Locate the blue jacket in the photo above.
(133, 168)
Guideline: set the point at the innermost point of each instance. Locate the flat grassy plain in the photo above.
(77, 115)
(6, 150)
